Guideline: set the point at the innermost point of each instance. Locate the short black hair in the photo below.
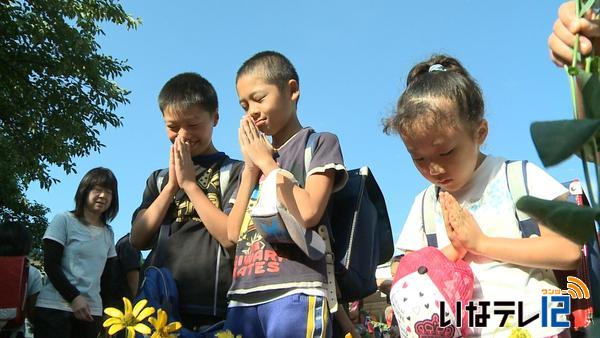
(441, 76)
(15, 239)
(274, 66)
(104, 178)
(188, 89)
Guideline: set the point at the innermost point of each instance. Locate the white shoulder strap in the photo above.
(160, 179)
(516, 177)
(428, 214)
(329, 259)
(224, 174)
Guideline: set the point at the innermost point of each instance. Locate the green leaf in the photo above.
(594, 329)
(585, 6)
(591, 94)
(568, 219)
(591, 331)
(556, 141)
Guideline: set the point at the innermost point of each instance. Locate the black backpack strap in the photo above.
(160, 179)
(516, 179)
(159, 251)
(428, 214)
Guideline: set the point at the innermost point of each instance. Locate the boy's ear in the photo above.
(294, 89)
(215, 118)
(482, 131)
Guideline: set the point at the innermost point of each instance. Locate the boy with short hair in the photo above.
(189, 197)
(279, 289)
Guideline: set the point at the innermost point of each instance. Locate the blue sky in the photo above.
(352, 57)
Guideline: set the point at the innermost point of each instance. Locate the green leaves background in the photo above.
(555, 141)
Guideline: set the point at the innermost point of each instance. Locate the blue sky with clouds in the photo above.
(352, 57)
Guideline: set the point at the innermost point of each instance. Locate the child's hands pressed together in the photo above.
(462, 228)
(249, 166)
(172, 185)
(184, 166)
(255, 146)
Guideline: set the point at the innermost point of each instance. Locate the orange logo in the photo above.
(576, 288)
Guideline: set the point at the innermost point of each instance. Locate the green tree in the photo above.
(56, 89)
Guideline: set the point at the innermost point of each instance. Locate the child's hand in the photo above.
(455, 250)
(462, 228)
(172, 185)
(562, 39)
(184, 166)
(256, 146)
(249, 166)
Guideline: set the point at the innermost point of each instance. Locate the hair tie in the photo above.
(436, 68)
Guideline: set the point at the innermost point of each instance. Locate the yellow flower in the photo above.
(161, 329)
(519, 332)
(130, 319)
(226, 334)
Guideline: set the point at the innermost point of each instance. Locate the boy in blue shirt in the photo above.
(278, 289)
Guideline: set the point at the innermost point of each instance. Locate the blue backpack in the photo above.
(159, 289)
(360, 237)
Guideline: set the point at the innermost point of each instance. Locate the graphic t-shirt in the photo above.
(260, 266)
(200, 266)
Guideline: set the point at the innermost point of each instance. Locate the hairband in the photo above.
(436, 68)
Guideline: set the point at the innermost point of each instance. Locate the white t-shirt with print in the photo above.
(86, 249)
(487, 197)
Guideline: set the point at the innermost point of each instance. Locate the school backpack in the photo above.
(360, 237)
(516, 176)
(159, 289)
(13, 290)
(177, 249)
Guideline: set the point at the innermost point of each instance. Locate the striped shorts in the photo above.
(298, 315)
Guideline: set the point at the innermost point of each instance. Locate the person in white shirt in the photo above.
(440, 119)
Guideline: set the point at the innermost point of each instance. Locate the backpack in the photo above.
(14, 272)
(516, 176)
(159, 289)
(211, 290)
(360, 233)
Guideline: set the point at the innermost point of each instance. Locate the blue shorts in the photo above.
(296, 315)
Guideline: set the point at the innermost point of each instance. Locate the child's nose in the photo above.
(253, 113)
(183, 133)
(436, 169)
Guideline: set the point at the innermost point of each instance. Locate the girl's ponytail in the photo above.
(446, 62)
(440, 76)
